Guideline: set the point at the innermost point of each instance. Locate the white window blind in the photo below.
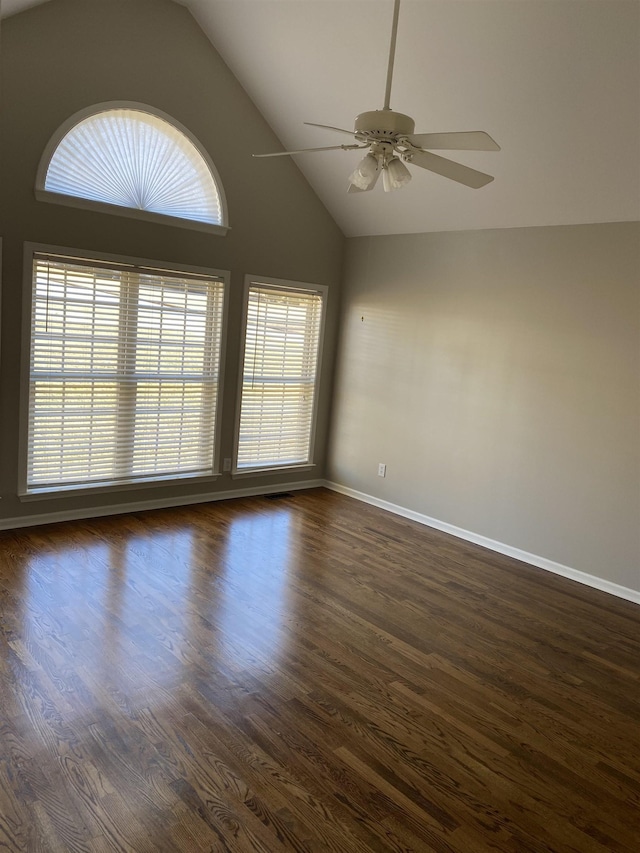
(124, 373)
(134, 159)
(279, 377)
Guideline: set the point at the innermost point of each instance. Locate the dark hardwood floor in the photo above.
(308, 674)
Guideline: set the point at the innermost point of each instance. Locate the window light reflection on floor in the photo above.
(253, 603)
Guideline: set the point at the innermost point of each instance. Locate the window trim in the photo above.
(43, 194)
(295, 286)
(2, 473)
(35, 493)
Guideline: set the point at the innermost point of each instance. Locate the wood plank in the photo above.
(308, 674)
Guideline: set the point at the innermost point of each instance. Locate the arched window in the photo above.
(132, 160)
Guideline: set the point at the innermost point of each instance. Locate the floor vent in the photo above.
(277, 495)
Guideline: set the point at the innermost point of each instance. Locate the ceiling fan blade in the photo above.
(449, 169)
(329, 127)
(306, 150)
(471, 140)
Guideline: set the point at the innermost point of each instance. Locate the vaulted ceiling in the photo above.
(555, 82)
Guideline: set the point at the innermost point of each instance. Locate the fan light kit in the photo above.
(392, 144)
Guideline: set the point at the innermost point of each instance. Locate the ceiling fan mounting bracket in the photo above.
(384, 123)
(406, 149)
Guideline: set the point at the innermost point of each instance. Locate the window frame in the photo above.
(295, 286)
(2, 472)
(43, 194)
(25, 493)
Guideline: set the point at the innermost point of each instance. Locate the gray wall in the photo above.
(69, 54)
(496, 373)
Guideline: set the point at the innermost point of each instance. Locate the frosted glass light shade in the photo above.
(395, 175)
(134, 159)
(365, 172)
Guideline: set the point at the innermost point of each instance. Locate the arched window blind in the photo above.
(124, 373)
(135, 160)
(281, 350)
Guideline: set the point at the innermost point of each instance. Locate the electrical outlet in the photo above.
(226, 463)
(382, 469)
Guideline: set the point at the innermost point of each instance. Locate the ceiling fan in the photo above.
(392, 143)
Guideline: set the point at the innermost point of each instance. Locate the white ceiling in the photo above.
(555, 82)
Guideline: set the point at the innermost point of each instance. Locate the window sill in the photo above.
(48, 493)
(282, 469)
(130, 212)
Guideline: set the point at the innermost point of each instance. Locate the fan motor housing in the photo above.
(384, 123)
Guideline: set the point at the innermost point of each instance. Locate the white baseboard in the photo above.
(168, 502)
(540, 562)
(158, 503)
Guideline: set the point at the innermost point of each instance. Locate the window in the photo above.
(124, 373)
(130, 160)
(281, 353)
